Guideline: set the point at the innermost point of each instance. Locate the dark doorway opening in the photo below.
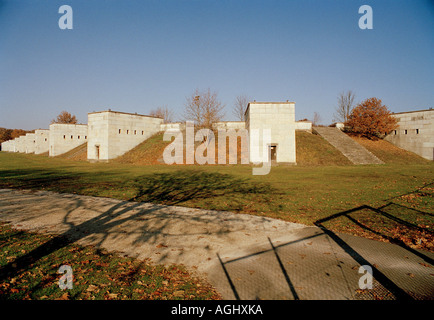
(273, 152)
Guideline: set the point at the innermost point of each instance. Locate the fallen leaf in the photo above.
(91, 288)
(179, 293)
(63, 297)
(425, 265)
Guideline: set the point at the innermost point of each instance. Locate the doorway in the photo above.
(97, 151)
(273, 152)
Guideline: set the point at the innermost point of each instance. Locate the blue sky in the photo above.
(133, 56)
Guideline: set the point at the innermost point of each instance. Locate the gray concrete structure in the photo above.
(110, 134)
(177, 126)
(415, 132)
(303, 126)
(7, 146)
(113, 133)
(227, 125)
(20, 144)
(41, 140)
(279, 119)
(65, 137)
(29, 143)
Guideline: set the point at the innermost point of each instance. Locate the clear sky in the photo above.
(133, 56)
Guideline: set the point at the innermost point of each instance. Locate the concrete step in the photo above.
(356, 153)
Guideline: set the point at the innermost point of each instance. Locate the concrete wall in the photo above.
(113, 133)
(340, 125)
(20, 144)
(279, 118)
(41, 140)
(172, 126)
(11, 146)
(229, 125)
(29, 142)
(65, 137)
(6, 145)
(303, 126)
(415, 132)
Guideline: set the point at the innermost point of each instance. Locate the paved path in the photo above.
(243, 256)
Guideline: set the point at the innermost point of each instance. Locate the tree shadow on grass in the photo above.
(181, 186)
(37, 178)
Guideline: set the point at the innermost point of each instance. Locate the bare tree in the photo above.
(204, 108)
(240, 107)
(316, 119)
(344, 107)
(65, 117)
(163, 112)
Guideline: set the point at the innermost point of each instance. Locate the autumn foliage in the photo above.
(65, 117)
(9, 134)
(371, 119)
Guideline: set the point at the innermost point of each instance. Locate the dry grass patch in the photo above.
(314, 150)
(389, 153)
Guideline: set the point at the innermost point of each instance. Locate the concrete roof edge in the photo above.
(129, 113)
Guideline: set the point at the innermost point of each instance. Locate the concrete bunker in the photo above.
(112, 133)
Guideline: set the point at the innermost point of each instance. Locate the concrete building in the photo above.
(177, 126)
(415, 132)
(109, 134)
(41, 140)
(29, 143)
(278, 118)
(65, 137)
(6, 146)
(304, 125)
(20, 144)
(227, 125)
(113, 133)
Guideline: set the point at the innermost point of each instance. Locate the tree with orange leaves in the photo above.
(371, 119)
(65, 117)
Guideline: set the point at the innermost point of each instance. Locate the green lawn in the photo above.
(293, 193)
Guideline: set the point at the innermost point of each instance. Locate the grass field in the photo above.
(303, 194)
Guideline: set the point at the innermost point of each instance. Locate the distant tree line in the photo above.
(10, 134)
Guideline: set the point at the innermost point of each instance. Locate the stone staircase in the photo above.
(356, 153)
